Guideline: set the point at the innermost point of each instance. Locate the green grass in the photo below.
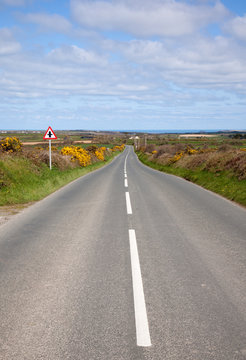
(21, 181)
(196, 142)
(222, 183)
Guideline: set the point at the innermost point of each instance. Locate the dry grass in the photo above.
(42, 156)
(214, 160)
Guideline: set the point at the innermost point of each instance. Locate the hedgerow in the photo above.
(212, 159)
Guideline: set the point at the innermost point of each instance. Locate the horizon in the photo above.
(133, 130)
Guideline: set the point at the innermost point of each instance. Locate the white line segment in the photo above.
(125, 175)
(125, 163)
(141, 319)
(126, 183)
(128, 204)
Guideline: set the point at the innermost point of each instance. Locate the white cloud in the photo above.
(146, 18)
(72, 54)
(46, 22)
(237, 27)
(203, 63)
(8, 45)
(137, 76)
(145, 70)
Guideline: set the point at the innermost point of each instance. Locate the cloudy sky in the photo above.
(123, 64)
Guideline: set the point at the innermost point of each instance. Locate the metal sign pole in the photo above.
(48, 136)
(50, 152)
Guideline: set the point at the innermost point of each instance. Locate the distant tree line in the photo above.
(238, 136)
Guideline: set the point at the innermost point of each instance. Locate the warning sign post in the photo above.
(49, 135)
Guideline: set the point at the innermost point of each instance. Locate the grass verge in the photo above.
(222, 183)
(22, 182)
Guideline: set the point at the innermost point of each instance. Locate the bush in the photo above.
(224, 148)
(42, 156)
(92, 149)
(118, 148)
(77, 153)
(10, 144)
(100, 153)
(215, 158)
(149, 148)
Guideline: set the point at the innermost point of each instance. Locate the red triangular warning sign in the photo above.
(50, 135)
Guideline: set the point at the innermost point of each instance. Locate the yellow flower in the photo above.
(11, 144)
(77, 153)
(100, 154)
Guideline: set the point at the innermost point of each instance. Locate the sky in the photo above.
(123, 64)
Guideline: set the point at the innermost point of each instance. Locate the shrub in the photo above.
(224, 148)
(10, 144)
(118, 147)
(42, 156)
(92, 149)
(100, 153)
(150, 148)
(193, 162)
(160, 152)
(77, 153)
(176, 157)
(237, 163)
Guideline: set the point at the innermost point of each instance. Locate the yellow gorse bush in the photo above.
(188, 151)
(176, 157)
(100, 153)
(86, 157)
(118, 148)
(77, 153)
(10, 144)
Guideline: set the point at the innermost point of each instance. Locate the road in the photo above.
(124, 263)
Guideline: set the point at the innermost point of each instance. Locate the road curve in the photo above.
(125, 263)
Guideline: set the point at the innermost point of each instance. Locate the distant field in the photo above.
(30, 137)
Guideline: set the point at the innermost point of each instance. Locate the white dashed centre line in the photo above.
(141, 319)
(125, 163)
(128, 204)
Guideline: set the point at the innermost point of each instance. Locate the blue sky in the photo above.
(123, 64)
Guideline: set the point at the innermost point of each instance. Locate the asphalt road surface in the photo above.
(124, 263)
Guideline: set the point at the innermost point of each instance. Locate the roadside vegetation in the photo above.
(219, 167)
(24, 171)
